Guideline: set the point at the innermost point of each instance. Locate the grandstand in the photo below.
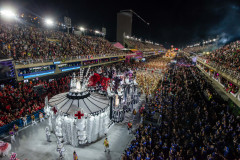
(142, 46)
(221, 65)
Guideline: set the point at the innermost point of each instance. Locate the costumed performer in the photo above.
(41, 118)
(106, 145)
(75, 157)
(12, 135)
(48, 134)
(33, 120)
(24, 120)
(60, 149)
(14, 156)
(4, 148)
(15, 128)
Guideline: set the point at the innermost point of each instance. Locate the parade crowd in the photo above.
(190, 124)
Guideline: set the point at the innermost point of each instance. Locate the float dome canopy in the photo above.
(70, 102)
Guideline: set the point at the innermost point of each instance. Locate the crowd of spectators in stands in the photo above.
(16, 102)
(29, 44)
(190, 124)
(226, 58)
(136, 44)
(200, 49)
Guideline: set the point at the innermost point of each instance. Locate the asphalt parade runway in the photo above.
(31, 144)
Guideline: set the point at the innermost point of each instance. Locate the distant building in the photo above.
(124, 25)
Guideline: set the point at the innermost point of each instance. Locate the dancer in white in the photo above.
(60, 149)
(41, 118)
(48, 134)
(11, 132)
(24, 120)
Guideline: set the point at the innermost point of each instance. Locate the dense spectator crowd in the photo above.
(135, 44)
(27, 44)
(192, 122)
(226, 58)
(200, 49)
(16, 102)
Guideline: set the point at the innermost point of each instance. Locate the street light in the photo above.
(97, 32)
(8, 13)
(82, 29)
(49, 22)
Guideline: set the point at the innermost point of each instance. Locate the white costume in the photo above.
(24, 121)
(41, 117)
(48, 134)
(13, 138)
(60, 149)
(34, 122)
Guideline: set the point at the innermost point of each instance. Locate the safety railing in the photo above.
(68, 58)
(19, 122)
(219, 68)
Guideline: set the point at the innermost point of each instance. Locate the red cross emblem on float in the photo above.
(54, 110)
(79, 115)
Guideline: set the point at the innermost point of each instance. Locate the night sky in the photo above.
(174, 22)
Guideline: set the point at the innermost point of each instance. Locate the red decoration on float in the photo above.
(54, 110)
(79, 115)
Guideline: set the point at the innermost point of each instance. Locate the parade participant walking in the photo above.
(33, 120)
(75, 157)
(13, 156)
(24, 120)
(106, 145)
(129, 125)
(15, 128)
(41, 118)
(134, 113)
(48, 134)
(11, 132)
(60, 149)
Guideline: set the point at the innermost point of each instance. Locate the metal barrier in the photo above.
(19, 122)
(70, 58)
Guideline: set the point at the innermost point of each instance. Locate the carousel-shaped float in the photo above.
(79, 116)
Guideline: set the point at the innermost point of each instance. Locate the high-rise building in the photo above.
(124, 25)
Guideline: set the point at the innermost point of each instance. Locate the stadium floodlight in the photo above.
(49, 22)
(8, 13)
(82, 29)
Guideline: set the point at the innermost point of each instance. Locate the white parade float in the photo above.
(79, 116)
